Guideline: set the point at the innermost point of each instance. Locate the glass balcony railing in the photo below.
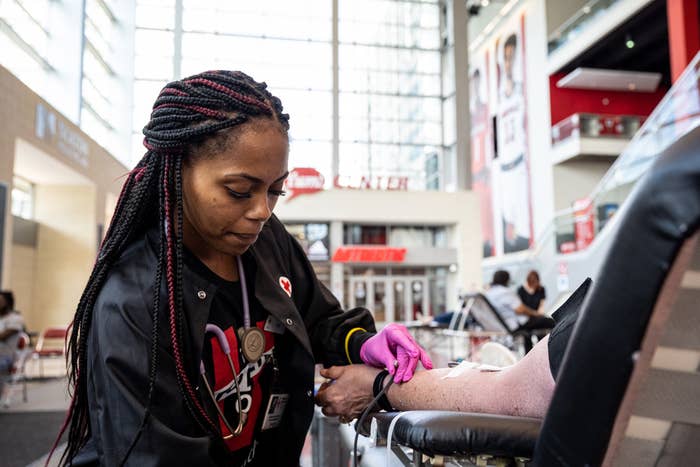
(587, 125)
(574, 26)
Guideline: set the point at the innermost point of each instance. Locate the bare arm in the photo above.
(524, 389)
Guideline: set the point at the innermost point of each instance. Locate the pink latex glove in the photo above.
(395, 344)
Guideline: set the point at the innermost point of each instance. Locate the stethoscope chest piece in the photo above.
(252, 341)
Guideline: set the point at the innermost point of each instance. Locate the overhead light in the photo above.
(586, 10)
(629, 43)
(485, 2)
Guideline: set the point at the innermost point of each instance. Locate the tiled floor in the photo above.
(46, 404)
(28, 429)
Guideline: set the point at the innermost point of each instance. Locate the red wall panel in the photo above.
(564, 102)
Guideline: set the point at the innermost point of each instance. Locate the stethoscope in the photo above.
(226, 349)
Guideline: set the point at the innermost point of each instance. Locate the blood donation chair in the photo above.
(488, 319)
(628, 390)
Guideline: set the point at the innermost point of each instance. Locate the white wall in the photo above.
(576, 179)
(22, 278)
(65, 253)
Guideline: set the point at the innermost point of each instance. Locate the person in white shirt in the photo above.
(517, 315)
(11, 324)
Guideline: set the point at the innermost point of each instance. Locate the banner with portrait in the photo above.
(511, 160)
(482, 145)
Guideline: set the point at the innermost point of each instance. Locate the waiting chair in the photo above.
(51, 344)
(627, 390)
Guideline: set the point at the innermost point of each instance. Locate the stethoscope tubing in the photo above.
(223, 343)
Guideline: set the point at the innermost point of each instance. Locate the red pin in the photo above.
(286, 285)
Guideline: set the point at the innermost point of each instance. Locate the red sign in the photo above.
(304, 181)
(567, 247)
(584, 230)
(369, 254)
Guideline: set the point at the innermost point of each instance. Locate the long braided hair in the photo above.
(186, 115)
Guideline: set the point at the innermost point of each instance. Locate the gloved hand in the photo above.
(395, 344)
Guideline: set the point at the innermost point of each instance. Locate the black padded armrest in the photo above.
(450, 433)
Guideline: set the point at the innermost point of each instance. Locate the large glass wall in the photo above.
(100, 88)
(389, 85)
(153, 61)
(389, 76)
(274, 41)
(24, 39)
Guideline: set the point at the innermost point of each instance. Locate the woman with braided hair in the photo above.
(195, 339)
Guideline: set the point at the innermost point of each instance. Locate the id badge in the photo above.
(275, 411)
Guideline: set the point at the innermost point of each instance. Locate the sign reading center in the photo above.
(369, 254)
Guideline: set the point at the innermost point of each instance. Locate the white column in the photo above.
(337, 275)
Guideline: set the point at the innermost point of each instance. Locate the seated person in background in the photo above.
(524, 389)
(532, 293)
(11, 324)
(517, 315)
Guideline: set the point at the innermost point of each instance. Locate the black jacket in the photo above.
(119, 352)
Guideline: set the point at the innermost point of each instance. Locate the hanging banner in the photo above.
(584, 230)
(482, 146)
(511, 162)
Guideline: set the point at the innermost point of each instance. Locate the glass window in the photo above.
(152, 15)
(313, 238)
(29, 20)
(417, 236)
(22, 198)
(439, 235)
(145, 94)
(437, 281)
(101, 88)
(355, 234)
(316, 154)
(390, 110)
(276, 41)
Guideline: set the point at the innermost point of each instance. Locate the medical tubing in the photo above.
(220, 337)
(364, 415)
(203, 372)
(244, 290)
(226, 349)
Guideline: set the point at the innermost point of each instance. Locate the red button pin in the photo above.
(286, 285)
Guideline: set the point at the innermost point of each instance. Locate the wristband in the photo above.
(347, 342)
(382, 402)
